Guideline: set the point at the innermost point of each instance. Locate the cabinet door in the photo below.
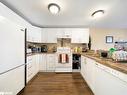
(43, 65)
(83, 66)
(37, 62)
(36, 34)
(67, 33)
(51, 62)
(90, 73)
(13, 81)
(51, 35)
(84, 35)
(43, 36)
(64, 33)
(75, 36)
(80, 35)
(29, 34)
(30, 68)
(60, 33)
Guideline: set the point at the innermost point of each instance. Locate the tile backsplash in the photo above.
(60, 43)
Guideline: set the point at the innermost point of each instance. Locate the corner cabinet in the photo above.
(80, 35)
(32, 66)
(33, 34)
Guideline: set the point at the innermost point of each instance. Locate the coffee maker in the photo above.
(44, 48)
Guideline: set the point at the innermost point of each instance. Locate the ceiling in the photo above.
(74, 13)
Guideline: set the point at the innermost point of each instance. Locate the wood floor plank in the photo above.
(57, 84)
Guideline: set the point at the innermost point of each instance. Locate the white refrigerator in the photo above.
(12, 57)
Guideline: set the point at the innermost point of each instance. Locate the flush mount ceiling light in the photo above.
(53, 8)
(98, 13)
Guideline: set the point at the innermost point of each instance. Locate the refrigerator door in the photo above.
(12, 45)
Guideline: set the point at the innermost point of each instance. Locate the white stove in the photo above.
(64, 59)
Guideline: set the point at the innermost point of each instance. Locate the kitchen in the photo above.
(60, 47)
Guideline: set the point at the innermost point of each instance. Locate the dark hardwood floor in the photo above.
(57, 84)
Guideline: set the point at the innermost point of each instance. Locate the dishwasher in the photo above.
(109, 81)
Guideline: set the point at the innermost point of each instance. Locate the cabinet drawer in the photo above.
(29, 66)
(29, 59)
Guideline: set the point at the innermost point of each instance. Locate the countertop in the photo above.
(30, 54)
(119, 66)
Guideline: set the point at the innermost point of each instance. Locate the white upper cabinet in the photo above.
(49, 35)
(33, 34)
(64, 32)
(37, 34)
(43, 36)
(80, 35)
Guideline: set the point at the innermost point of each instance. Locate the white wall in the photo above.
(98, 37)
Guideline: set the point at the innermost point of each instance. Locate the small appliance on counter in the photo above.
(84, 49)
(29, 51)
(34, 50)
(104, 54)
(44, 48)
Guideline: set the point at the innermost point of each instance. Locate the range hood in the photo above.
(63, 41)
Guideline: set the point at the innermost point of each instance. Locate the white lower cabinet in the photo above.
(42, 63)
(87, 71)
(12, 82)
(100, 80)
(51, 62)
(47, 62)
(32, 66)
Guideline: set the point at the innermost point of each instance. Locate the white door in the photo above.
(51, 34)
(43, 36)
(80, 35)
(90, 73)
(43, 61)
(51, 62)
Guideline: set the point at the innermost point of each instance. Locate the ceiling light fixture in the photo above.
(53, 8)
(98, 13)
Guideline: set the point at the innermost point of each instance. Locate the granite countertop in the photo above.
(119, 66)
